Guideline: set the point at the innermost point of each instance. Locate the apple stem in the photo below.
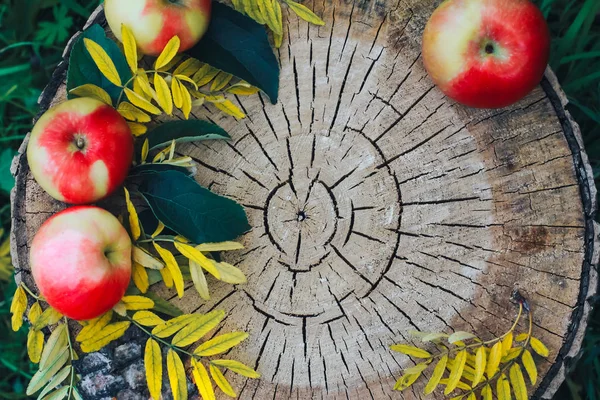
(489, 48)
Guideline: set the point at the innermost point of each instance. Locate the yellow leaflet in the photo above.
(140, 277)
(160, 227)
(171, 63)
(530, 367)
(172, 266)
(507, 343)
(187, 79)
(406, 381)
(129, 48)
(461, 385)
(169, 52)
(486, 393)
(145, 150)
(410, 350)
(494, 360)
(145, 259)
(273, 10)
(103, 61)
(57, 380)
(459, 336)
(457, 371)
(132, 113)
(205, 75)
(49, 317)
(305, 13)
(172, 326)
(57, 342)
(503, 388)
(518, 382)
(35, 345)
(105, 336)
(252, 10)
(220, 344)
(186, 108)
(230, 274)
(242, 89)
(147, 318)
(141, 102)
(468, 372)
(480, 364)
(278, 39)
(34, 312)
(521, 337)
(197, 328)
(94, 327)
(511, 355)
(137, 129)
(236, 367)
(238, 5)
(137, 303)
(144, 89)
(134, 221)
(93, 91)
(58, 394)
(167, 277)
(437, 374)
(120, 309)
(196, 256)
(417, 368)
(163, 94)
(17, 308)
(202, 380)
(231, 109)
(153, 367)
(223, 246)
(220, 81)
(43, 376)
(177, 95)
(539, 347)
(221, 381)
(188, 68)
(199, 280)
(176, 374)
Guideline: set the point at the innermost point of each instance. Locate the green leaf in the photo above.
(236, 44)
(44, 375)
(191, 210)
(83, 70)
(185, 131)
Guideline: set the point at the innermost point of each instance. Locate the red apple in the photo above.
(81, 261)
(486, 53)
(80, 151)
(155, 22)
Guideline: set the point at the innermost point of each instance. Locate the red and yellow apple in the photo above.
(155, 22)
(486, 53)
(80, 151)
(81, 261)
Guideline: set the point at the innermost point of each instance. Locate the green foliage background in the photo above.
(33, 34)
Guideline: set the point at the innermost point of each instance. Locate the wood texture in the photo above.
(379, 206)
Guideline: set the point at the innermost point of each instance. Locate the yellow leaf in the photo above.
(221, 381)
(120, 309)
(137, 303)
(237, 367)
(177, 95)
(186, 108)
(49, 317)
(137, 129)
(43, 376)
(57, 342)
(94, 326)
(220, 81)
(93, 91)
(153, 367)
(273, 16)
(518, 382)
(461, 385)
(486, 393)
(140, 277)
(231, 109)
(202, 380)
(141, 102)
(134, 221)
(530, 367)
(457, 371)
(145, 259)
(199, 280)
(223, 246)
(437, 374)
(410, 351)
(167, 277)
(147, 318)
(57, 380)
(196, 256)
(176, 374)
(188, 68)
(197, 328)
(205, 75)
(539, 347)
(243, 89)
(494, 360)
(169, 52)
(172, 266)
(163, 94)
(142, 81)
(507, 343)
(503, 388)
(172, 326)
(511, 355)
(230, 274)
(480, 364)
(252, 10)
(459, 336)
(305, 13)
(110, 333)
(35, 345)
(521, 337)
(17, 308)
(132, 113)
(34, 312)
(129, 47)
(159, 228)
(220, 344)
(406, 381)
(103, 61)
(171, 63)
(278, 39)
(183, 78)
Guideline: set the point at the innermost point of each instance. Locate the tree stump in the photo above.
(380, 206)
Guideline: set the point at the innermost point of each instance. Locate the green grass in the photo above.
(33, 35)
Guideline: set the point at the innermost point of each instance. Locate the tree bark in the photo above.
(380, 206)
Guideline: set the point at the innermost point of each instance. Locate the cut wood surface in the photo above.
(379, 206)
